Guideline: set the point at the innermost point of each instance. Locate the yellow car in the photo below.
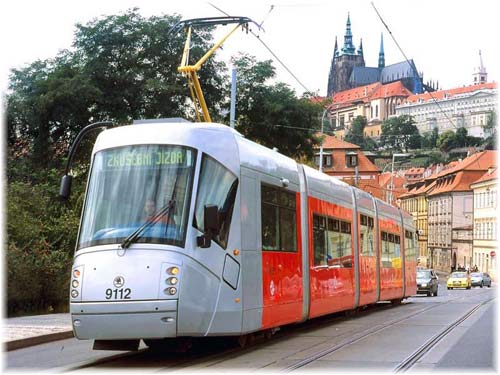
(458, 280)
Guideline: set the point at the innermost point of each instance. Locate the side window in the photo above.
(217, 185)
(279, 225)
(366, 240)
(319, 238)
(332, 242)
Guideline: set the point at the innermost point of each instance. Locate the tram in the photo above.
(191, 230)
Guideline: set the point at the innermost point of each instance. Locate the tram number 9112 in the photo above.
(118, 293)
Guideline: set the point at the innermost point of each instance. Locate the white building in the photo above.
(467, 107)
(485, 222)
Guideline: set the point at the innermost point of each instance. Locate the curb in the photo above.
(37, 340)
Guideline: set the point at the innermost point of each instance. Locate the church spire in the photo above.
(480, 75)
(336, 49)
(360, 49)
(381, 55)
(348, 48)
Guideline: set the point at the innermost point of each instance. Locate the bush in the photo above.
(41, 234)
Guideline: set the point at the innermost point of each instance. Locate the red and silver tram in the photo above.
(191, 230)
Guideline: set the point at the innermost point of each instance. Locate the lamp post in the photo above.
(321, 146)
(391, 190)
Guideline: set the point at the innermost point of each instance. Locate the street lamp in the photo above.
(391, 190)
(321, 146)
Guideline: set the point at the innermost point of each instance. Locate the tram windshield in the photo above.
(132, 185)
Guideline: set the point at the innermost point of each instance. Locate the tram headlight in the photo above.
(170, 291)
(74, 293)
(75, 283)
(76, 273)
(172, 280)
(173, 270)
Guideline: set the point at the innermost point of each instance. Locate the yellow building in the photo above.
(415, 202)
(485, 223)
(376, 102)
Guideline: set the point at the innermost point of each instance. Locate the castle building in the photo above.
(348, 68)
(468, 106)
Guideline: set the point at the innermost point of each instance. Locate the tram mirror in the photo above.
(65, 188)
(211, 216)
(211, 221)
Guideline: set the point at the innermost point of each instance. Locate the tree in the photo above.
(490, 131)
(271, 114)
(400, 133)
(356, 135)
(121, 67)
(446, 141)
(429, 140)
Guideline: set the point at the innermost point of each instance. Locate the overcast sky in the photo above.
(443, 37)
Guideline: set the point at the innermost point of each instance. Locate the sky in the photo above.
(443, 37)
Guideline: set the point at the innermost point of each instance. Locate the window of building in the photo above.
(279, 226)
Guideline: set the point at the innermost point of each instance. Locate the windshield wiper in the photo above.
(163, 211)
(156, 217)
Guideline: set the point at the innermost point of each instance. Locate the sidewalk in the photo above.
(33, 330)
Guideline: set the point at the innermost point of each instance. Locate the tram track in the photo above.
(214, 355)
(413, 358)
(409, 361)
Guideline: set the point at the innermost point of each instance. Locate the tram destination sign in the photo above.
(146, 157)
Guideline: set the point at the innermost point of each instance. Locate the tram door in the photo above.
(281, 254)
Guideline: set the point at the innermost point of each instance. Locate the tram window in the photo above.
(366, 240)
(391, 250)
(319, 238)
(217, 185)
(410, 248)
(279, 226)
(332, 242)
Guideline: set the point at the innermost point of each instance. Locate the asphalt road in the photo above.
(470, 346)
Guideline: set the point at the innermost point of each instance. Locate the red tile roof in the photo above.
(355, 94)
(488, 176)
(331, 142)
(438, 95)
(464, 173)
(338, 148)
(391, 89)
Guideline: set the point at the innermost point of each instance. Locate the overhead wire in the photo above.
(412, 66)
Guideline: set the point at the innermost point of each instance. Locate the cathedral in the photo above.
(348, 68)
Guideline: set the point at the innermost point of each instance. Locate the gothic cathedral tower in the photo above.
(343, 62)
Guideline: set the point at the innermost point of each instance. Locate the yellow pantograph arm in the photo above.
(190, 71)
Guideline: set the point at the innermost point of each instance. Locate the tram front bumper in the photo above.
(124, 320)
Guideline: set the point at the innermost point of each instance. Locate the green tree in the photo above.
(121, 67)
(490, 131)
(447, 141)
(271, 114)
(400, 133)
(429, 140)
(356, 135)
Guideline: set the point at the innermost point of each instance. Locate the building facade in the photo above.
(485, 242)
(467, 107)
(337, 162)
(376, 102)
(451, 211)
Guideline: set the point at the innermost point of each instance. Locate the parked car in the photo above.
(427, 282)
(458, 279)
(480, 279)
